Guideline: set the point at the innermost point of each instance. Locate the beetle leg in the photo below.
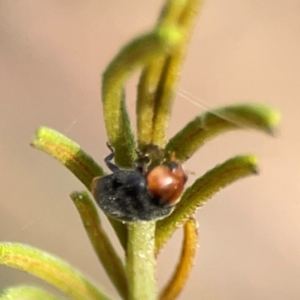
(108, 159)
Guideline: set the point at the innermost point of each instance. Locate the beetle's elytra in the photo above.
(139, 194)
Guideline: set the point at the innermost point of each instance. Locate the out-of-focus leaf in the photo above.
(202, 190)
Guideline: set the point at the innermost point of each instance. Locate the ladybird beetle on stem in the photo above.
(139, 194)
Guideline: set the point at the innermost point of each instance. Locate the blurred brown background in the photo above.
(52, 54)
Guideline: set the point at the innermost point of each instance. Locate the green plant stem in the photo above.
(141, 262)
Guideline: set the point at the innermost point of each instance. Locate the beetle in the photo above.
(139, 194)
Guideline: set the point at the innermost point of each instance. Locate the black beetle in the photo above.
(138, 194)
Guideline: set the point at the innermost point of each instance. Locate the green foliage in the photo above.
(159, 54)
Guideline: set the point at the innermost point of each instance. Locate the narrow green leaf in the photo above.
(136, 54)
(25, 292)
(185, 264)
(146, 101)
(202, 190)
(68, 153)
(172, 11)
(213, 123)
(151, 76)
(51, 269)
(141, 261)
(100, 242)
(170, 73)
(77, 161)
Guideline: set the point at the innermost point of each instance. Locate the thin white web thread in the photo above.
(68, 129)
(76, 120)
(201, 104)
